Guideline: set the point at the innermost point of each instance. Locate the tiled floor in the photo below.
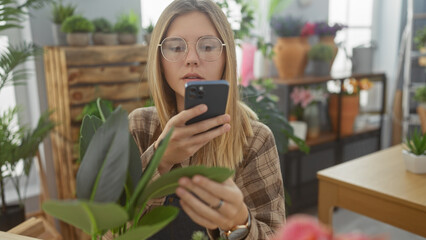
(345, 221)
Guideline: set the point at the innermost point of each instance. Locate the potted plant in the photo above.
(420, 96)
(18, 147)
(111, 189)
(320, 56)
(290, 50)
(420, 40)
(127, 26)
(349, 102)
(148, 32)
(103, 33)
(60, 12)
(78, 30)
(18, 144)
(414, 153)
(326, 33)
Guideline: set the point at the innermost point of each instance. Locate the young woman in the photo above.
(249, 205)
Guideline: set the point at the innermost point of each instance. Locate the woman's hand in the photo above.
(188, 139)
(201, 199)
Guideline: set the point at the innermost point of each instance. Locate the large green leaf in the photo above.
(88, 128)
(135, 164)
(91, 217)
(102, 173)
(149, 172)
(151, 223)
(167, 183)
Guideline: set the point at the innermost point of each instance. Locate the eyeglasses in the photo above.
(208, 48)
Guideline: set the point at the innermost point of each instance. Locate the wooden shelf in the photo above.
(313, 79)
(323, 138)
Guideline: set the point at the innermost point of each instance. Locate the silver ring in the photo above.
(218, 205)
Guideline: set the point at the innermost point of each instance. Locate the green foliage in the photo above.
(77, 24)
(60, 11)
(416, 143)
(420, 38)
(259, 98)
(321, 52)
(102, 25)
(150, 28)
(19, 145)
(127, 23)
(420, 94)
(106, 185)
(13, 12)
(12, 57)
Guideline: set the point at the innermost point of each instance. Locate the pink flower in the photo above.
(306, 98)
(308, 29)
(296, 95)
(304, 227)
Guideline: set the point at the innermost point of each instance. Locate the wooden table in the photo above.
(377, 186)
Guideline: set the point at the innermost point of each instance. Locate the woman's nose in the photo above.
(192, 56)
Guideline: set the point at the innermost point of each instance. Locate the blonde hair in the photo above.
(226, 150)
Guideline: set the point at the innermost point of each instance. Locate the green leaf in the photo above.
(167, 183)
(151, 223)
(88, 128)
(90, 217)
(102, 173)
(149, 172)
(135, 164)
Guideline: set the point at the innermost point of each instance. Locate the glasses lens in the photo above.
(209, 48)
(173, 49)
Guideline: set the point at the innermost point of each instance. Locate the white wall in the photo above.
(386, 32)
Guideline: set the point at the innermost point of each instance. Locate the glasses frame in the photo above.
(196, 49)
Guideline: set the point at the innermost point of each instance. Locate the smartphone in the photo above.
(212, 93)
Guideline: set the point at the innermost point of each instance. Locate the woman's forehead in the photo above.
(192, 26)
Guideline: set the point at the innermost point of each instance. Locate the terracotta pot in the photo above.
(78, 39)
(422, 60)
(350, 109)
(290, 57)
(329, 40)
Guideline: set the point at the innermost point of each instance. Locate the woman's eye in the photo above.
(207, 48)
(176, 49)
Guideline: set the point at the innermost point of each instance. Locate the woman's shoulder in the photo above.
(260, 130)
(141, 118)
(262, 137)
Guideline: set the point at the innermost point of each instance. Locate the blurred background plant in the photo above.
(61, 11)
(287, 26)
(324, 29)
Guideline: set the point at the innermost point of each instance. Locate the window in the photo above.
(358, 16)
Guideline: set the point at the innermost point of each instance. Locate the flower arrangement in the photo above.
(302, 227)
(352, 86)
(321, 52)
(302, 97)
(287, 26)
(308, 29)
(324, 29)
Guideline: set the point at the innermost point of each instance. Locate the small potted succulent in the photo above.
(320, 56)
(414, 153)
(420, 40)
(103, 34)
(60, 12)
(78, 30)
(127, 27)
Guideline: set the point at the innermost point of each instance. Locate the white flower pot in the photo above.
(414, 163)
(300, 129)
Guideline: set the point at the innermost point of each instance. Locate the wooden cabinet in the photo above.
(74, 77)
(330, 147)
